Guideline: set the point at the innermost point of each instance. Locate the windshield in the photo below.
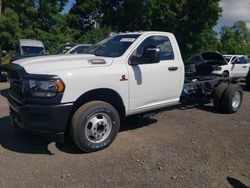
(31, 50)
(114, 46)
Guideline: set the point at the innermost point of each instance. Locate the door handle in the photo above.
(244, 67)
(173, 68)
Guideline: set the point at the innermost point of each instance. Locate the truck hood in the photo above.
(53, 63)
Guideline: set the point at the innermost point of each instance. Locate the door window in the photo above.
(161, 42)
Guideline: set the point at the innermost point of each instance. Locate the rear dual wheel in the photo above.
(228, 97)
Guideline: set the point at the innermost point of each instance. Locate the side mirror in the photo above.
(149, 55)
(152, 54)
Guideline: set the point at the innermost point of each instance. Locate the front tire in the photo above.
(94, 126)
(232, 99)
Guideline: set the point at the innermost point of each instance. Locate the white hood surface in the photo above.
(54, 63)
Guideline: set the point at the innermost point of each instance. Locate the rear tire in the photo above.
(217, 95)
(94, 126)
(232, 99)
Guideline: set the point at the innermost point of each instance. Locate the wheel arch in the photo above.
(102, 94)
(228, 72)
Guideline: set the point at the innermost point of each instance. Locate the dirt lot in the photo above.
(191, 146)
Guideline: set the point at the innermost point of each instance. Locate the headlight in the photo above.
(45, 88)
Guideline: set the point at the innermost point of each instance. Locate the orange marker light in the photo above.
(60, 86)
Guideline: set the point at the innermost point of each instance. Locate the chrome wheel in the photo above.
(98, 127)
(236, 100)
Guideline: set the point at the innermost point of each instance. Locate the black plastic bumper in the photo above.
(49, 121)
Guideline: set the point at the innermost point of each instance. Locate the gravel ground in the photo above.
(187, 146)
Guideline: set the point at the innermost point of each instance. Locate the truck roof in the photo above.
(227, 55)
(142, 32)
(31, 42)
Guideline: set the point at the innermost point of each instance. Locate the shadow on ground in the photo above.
(236, 183)
(20, 141)
(245, 88)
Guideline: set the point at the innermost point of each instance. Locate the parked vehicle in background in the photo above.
(3, 74)
(228, 66)
(73, 49)
(237, 67)
(29, 48)
(2, 53)
(64, 48)
(205, 63)
(123, 75)
(78, 49)
(240, 58)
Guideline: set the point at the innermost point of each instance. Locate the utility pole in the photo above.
(0, 7)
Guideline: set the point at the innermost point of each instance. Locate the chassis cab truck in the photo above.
(88, 95)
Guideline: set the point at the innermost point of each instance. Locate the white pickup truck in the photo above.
(88, 95)
(237, 67)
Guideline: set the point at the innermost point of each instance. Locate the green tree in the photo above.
(85, 14)
(187, 19)
(235, 39)
(95, 35)
(10, 30)
(34, 19)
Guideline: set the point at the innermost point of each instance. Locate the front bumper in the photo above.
(47, 120)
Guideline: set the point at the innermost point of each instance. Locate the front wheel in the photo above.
(95, 126)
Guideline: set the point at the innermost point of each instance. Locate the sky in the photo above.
(68, 6)
(233, 10)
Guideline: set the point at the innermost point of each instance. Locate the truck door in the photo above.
(154, 85)
(239, 67)
(242, 62)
